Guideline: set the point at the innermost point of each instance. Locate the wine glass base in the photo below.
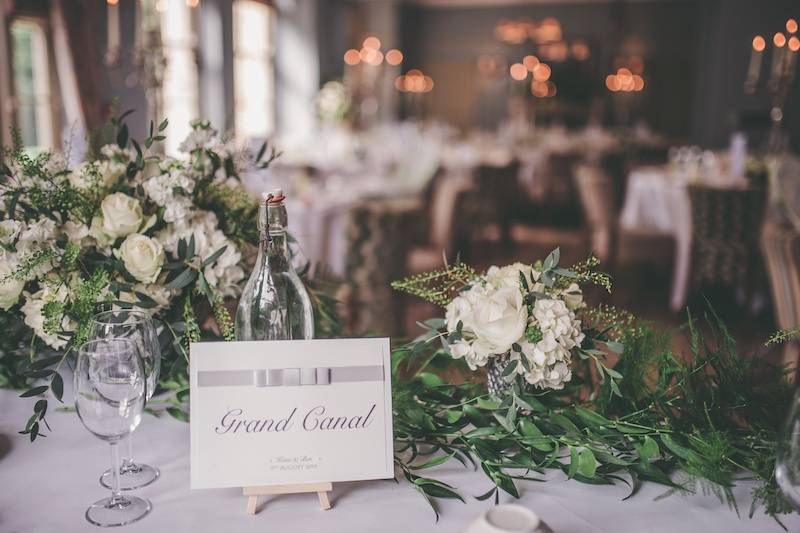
(132, 477)
(107, 513)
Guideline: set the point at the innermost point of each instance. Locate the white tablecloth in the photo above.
(659, 202)
(46, 487)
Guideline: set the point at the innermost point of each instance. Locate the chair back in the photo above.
(600, 206)
(780, 243)
(725, 232)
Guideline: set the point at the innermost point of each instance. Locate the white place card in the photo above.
(288, 412)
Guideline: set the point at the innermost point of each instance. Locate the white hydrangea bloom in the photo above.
(114, 152)
(9, 230)
(160, 294)
(161, 189)
(10, 288)
(34, 317)
(76, 232)
(56, 164)
(36, 237)
(508, 276)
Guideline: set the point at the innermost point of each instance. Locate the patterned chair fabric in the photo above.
(725, 234)
(780, 243)
(376, 256)
(497, 198)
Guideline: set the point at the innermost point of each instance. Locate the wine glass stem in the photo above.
(127, 459)
(116, 497)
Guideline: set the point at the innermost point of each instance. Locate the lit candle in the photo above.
(754, 69)
(791, 56)
(779, 40)
(112, 9)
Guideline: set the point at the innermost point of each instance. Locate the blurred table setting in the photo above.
(658, 199)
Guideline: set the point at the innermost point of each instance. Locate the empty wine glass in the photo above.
(787, 468)
(137, 327)
(110, 393)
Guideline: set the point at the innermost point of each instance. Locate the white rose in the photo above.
(142, 257)
(10, 289)
(500, 319)
(573, 297)
(9, 229)
(508, 276)
(122, 215)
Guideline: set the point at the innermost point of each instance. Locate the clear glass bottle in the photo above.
(275, 304)
(787, 467)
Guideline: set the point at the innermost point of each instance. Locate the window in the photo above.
(180, 94)
(31, 72)
(253, 81)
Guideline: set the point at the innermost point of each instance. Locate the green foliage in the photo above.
(236, 210)
(781, 336)
(586, 273)
(223, 319)
(29, 263)
(439, 286)
(710, 415)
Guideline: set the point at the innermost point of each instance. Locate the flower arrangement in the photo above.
(130, 227)
(521, 320)
(701, 420)
(333, 103)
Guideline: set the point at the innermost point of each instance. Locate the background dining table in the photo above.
(48, 484)
(657, 199)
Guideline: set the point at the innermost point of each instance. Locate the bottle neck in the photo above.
(273, 245)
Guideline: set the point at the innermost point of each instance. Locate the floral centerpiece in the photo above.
(699, 420)
(517, 320)
(130, 227)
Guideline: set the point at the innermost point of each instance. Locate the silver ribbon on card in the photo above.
(288, 377)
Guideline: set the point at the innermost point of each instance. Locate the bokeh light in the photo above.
(518, 71)
(394, 57)
(580, 50)
(530, 62)
(372, 43)
(541, 72)
(759, 43)
(352, 57)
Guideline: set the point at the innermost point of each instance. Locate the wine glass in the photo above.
(787, 468)
(110, 390)
(137, 327)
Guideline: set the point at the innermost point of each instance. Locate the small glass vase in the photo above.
(498, 384)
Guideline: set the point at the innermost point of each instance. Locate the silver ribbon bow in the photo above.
(288, 377)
